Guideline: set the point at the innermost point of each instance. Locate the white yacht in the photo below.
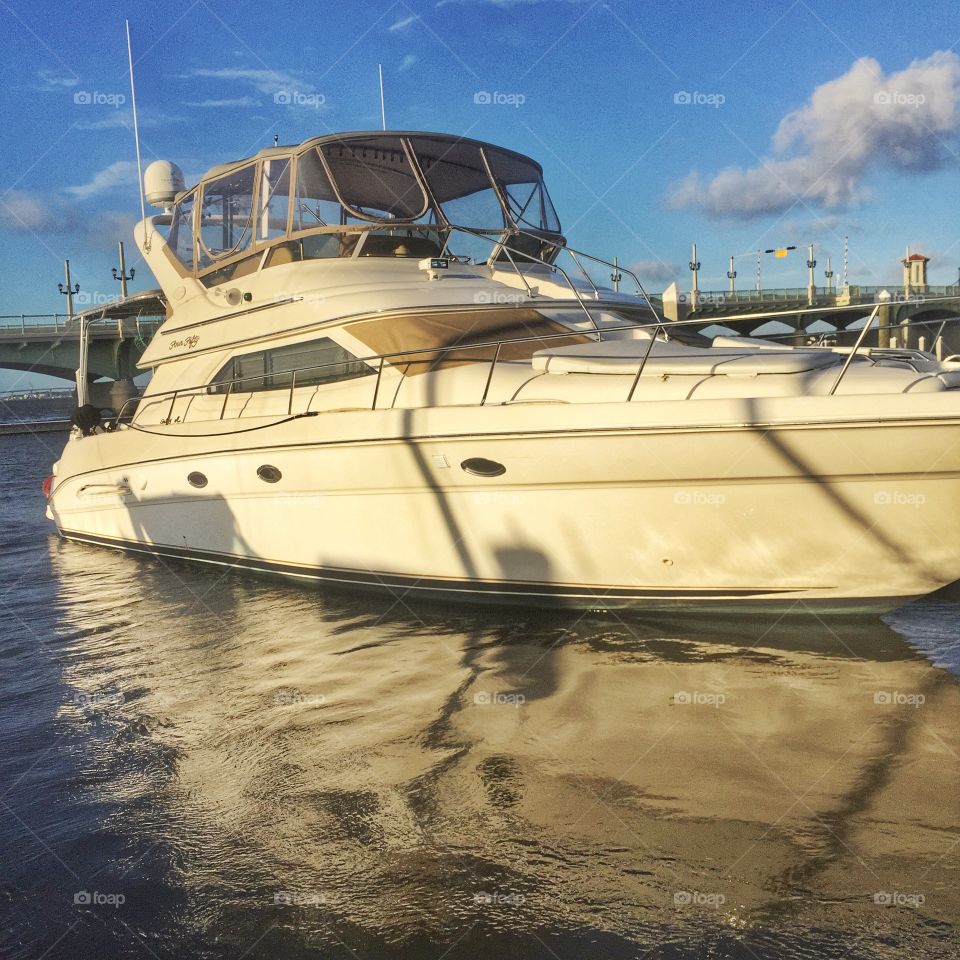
(382, 365)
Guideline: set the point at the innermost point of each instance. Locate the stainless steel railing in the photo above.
(435, 356)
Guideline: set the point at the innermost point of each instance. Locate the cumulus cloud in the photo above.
(403, 23)
(654, 271)
(22, 211)
(263, 81)
(229, 102)
(119, 173)
(50, 80)
(821, 154)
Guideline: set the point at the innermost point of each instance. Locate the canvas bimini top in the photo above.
(355, 179)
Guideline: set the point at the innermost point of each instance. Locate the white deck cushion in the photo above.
(624, 357)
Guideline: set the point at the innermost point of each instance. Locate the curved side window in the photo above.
(315, 362)
(524, 190)
(457, 178)
(226, 215)
(375, 180)
(315, 204)
(181, 230)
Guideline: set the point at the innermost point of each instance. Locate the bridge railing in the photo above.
(35, 322)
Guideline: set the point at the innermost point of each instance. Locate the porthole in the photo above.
(196, 479)
(269, 474)
(481, 467)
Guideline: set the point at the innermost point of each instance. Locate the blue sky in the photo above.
(590, 89)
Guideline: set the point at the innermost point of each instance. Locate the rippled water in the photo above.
(224, 767)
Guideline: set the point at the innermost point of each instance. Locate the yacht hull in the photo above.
(597, 506)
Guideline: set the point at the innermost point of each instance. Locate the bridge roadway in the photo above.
(50, 344)
(906, 314)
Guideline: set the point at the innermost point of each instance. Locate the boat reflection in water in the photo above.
(319, 770)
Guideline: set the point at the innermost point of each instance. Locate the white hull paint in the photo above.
(849, 514)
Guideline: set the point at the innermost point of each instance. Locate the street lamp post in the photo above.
(828, 273)
(122, 275)
(68, 291)
(811, 280)
(732, 277)
(695, 269)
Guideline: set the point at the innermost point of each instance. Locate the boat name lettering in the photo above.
(188, 342)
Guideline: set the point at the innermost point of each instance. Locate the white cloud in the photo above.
(49, 80)
(860, 121)
(235, 102)
(408, 61)
(654, 271)
(25, 212)
(121, 172)
(117, 119)
(403, 24)
(263, 81)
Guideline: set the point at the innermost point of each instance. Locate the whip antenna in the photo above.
(136, 138)
(383, 109)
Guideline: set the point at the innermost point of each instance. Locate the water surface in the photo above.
(201, 764)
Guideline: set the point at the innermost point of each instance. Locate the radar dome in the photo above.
(162, 181)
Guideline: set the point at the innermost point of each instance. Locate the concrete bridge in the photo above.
(908, 317)
(50, 343)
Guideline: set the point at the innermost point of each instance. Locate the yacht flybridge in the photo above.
(382, 365)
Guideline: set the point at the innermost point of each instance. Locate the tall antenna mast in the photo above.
(383, 109)
(136, 137)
